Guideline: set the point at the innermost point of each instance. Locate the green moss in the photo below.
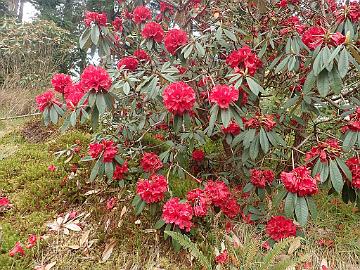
(180, 187)
(68, 139)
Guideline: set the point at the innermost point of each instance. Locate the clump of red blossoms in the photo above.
(93, 17)
(4, 202)
(180, 214)
(95, 78)
(120, 170)
(316, 36)
(153, 189)
(261, 178)
(265, 121)
(233, 128)
(17, 249)
(60, 81)
(299, 181)
(218, 192)
(45, 100)
(198, 155)
(354, 122)
(284, 3)
(243, 59)
(279, 227)
(330, 149)
(142, 55)
(153, 30)
(351, 11)
(118, 24)
(141, 14)
(129, 63)
(165, 7)
(174, 39)
(178, 98)
(354, 166)
(230, 208)
(200, 202)
(222, 257)
(73, 99)
(290, 24)
(223, 95)
(150, 162)
(107, 148)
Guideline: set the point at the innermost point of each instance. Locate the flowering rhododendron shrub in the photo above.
(266, 91)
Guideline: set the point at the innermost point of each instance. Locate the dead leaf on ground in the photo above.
(108, 250)
(294, 245)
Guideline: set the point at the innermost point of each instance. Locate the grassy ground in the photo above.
(39, 196)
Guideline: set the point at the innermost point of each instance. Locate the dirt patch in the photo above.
(36, 132)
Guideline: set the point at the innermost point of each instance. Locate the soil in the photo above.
(36, 132)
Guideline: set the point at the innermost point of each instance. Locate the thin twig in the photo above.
(20, 116)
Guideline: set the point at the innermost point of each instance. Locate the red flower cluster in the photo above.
(153, 189)
(4, 202)
(223, 95)
(32, 239)
(330, 149)
(290, 24)
(233, 129)
(222, 257)
(198, 155)
(17, 249)
(153, 30)
(265, 121)
(60, 81)
(141, 14)
(279, 227)
(142, 55)
(72, 99)
(107, 148)
(45, 100)
(200, 202)
(261, 178)
(178, 213)
(316, 36)
(129, 63)
(351, 11)
(284, 3)
(354, 166)
(243, 59)
(165, 7)
(178, 98)
(354, 122)
(95, 78)
(174, 39)
(120, 170)
(230, 208)
(150, 162)
(300, 181)
(93, 17)
(118, 24)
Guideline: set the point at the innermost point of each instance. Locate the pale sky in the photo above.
(29, 12)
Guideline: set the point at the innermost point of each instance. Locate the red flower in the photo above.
(110, 151)
(141, 14)
(153, 30)
(4, 202)
(300, 181)
(52, 168)
(314, 37)
(165, 7)
(142, 55)
(354, 166)
(17, 249)
(243, 59)
(233, 129)
(218, 192)
(95, 150)
(178, 98)
(45, 100)
(222, 257)
(153, 189)
(118, 24)
(181, 69)
(265, 121)
(110, 203)
(178, 213)
(330, 149)
(150, 162)
(200, 201)
(60, 81)
(261, 178)
(351, 11)
(265, 245)
(337, 39)
(230, 208)
(93, 17)
(223, 95)
(354, 122)
(174, 39)
(279, 227)
(198, 155)
(129, 63)
(120, 170)
(95, 78)
(32, 239)
(73, 99)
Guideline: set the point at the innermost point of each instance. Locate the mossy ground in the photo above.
(39, 195)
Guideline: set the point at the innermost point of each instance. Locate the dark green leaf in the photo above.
(335, 177)
(301, 211)
(254, 86)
